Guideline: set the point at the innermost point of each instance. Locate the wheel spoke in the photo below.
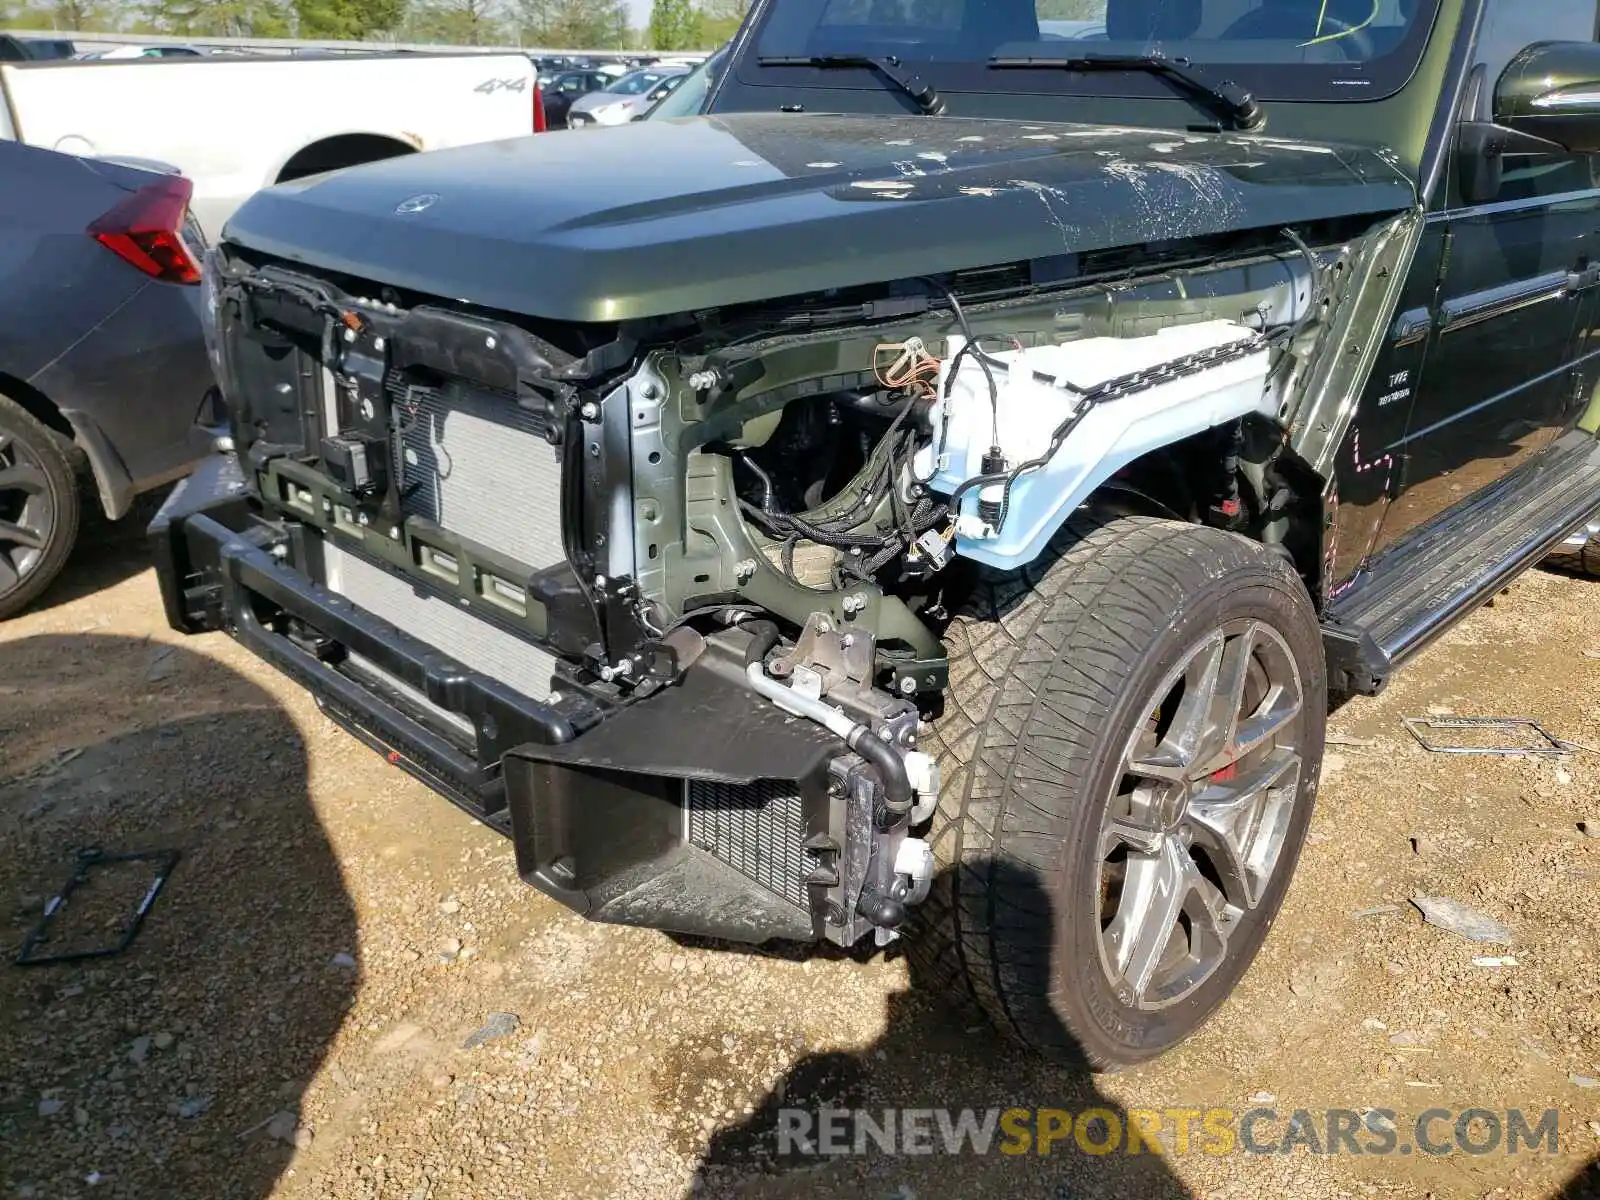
(1218, 746)
(22, 477)
(14, 534)
(1211, 919)
(9, 577)
(1153, 893)
(1241, 823)
(1173, 757)
(1129, 832)
(1278, 708)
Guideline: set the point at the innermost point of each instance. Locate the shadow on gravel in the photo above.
(136, 1075)
(936, 1058)
(1585, 1185)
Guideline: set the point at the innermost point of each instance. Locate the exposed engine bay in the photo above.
(734, 527)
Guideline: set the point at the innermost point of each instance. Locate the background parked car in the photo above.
(102, 360)
(619, 102)
(688, 99)
(15, 49)
(565, 89)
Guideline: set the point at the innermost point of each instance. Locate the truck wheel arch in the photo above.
(340, 151)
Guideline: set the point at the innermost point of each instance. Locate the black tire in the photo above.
(1579, 560)
(1049, 669)
(35, 478)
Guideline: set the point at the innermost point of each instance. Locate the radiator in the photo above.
(469, 639)
(757, 829)
(478, 465)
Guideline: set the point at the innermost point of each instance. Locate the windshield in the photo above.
(637, 84)
(1291, 49)
(692, 92)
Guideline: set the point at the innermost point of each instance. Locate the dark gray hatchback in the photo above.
(102, 359)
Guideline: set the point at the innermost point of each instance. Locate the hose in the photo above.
(891, 768)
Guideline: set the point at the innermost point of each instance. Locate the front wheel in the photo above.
(39, 508)
(1130, 747)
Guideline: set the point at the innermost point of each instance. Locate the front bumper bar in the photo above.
(594, 794)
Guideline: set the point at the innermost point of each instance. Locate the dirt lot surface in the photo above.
(293, 1020)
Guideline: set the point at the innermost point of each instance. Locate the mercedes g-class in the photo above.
(971, 453)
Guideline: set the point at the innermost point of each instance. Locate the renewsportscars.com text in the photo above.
(830, 1132)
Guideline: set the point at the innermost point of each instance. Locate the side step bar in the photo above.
(1431, 578)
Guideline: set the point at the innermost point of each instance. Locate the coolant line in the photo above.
(897, 797)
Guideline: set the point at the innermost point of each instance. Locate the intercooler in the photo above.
(757, 829)
(469, 639)
(478, 466)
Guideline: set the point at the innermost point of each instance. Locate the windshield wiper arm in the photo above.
(1234, 101)
(922, 92)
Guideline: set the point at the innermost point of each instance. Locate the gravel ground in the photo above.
(345, 991)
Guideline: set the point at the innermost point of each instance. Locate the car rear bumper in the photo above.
(688, 811)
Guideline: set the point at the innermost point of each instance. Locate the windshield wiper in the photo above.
(922, 92)
(1234, 101)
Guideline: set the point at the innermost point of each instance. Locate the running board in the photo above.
(1428, 580)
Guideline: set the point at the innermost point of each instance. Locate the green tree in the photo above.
(573, 24)
(720, 20)
(457, 22)
(1072, 10)
(674, 25)
(221, 18)
(354, 20)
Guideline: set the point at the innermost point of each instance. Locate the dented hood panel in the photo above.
(658, 217)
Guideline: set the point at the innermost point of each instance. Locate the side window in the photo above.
(1508, 27)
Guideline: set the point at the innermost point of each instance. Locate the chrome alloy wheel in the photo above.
(27, 513)
(1198, 817)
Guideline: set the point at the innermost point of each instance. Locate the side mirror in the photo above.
(1545, 104)
(1551, 91)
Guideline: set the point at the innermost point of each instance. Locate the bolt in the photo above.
(600, 582)
(590, 411)
(280, 550)
(607, 673)
(394, 532)
(625, 667)
(490, 342)
(704, 381)
(349, 335)
(853, 603)
(367, 410)
(650, 390)
(848, 640)
(824, 625)
(594, 449)
(378, 343)
(908, 686)
(222, 444)
(363, 519)
(284, 389)
(744, 570)
(327, 505)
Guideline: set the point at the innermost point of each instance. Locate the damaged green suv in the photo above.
(933, 495)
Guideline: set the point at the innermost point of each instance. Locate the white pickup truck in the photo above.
(237, 124)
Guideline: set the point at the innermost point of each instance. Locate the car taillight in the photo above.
(539, 124)
(146, 230)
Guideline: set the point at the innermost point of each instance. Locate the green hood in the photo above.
(658, 217)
